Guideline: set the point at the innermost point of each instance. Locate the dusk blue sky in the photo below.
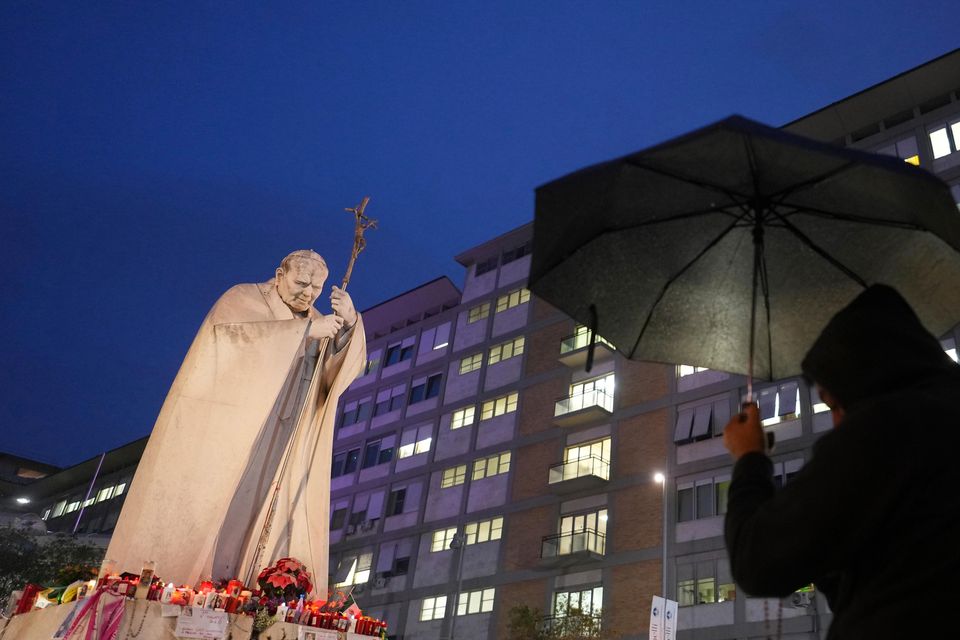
(152, 154)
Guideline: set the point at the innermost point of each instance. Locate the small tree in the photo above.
(526, 623)
(49, 560)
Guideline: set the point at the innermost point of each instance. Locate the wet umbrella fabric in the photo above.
(665, 251)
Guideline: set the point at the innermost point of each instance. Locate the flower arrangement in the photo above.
(288, 579)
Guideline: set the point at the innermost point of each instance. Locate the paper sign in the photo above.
(656, 618)
(670, 620)
(169, 610)
(196, 622)
(312, 633)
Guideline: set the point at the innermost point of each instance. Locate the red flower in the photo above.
(280, 581)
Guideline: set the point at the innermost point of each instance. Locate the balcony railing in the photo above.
(587, 541)
(583, 407)
(573, 350)
(580, 341)
(588, 466)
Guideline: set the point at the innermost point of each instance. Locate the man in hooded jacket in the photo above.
(873, 518)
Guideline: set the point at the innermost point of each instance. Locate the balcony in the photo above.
(589, 472)
(565, 549)
(581, 408)
(573, 350)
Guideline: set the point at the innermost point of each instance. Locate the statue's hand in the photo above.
(326, 327)
(342, 305)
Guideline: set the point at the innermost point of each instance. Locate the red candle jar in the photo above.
(234, 587)
(28, 599)
(206, 586)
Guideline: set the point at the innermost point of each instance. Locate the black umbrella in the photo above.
(694, 250)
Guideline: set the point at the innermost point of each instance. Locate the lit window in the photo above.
(587, 601)
(463, 417)
(119, 489)
(59, 508)
(88, 502)
(513, 299)
(506, 350)
(484, 531)
(471, 363)
(499, 406)
(415, 440)
(453, 476)
(433, 608)
(704, 582)
(442, 539)
(479, 601)
(359, 570)
(491, 466)
(688, 370)
(940, 141)
(478, 312)
(46, 514)
(73, 506)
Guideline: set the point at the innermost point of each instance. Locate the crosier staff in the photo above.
(361, 224)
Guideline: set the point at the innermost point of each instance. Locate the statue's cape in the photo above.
(200, 495)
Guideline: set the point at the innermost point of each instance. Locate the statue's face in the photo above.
(301, 283)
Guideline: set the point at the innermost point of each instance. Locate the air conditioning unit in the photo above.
(351, 529)
(380, 583)
(801, 599)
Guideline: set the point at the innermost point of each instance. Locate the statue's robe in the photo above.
(200, 495)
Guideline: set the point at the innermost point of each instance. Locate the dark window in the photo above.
(406, 353)
(358, 517)
(487, 265)
(516, 253)
(401, 566)
(371, 454)
(433, 385)
(395, 503)
(685, 505)
(430, 388)
(363, 410)
(338, 519)
(382, 407)
(336, 469)
(386, 455)
(705, 500)
(351, 462)
(393, 355)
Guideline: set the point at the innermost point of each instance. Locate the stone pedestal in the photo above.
(142, 620)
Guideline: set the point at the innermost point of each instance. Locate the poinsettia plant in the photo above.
(288, 579)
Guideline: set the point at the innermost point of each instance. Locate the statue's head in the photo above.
(300, 279)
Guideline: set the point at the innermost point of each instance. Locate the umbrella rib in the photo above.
(850, 217)
(734, 196)
(673, 279)
(821, 252)
(674, 218)
(812, 182)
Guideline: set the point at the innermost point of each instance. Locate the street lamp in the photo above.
(661, 479)
(458, 542)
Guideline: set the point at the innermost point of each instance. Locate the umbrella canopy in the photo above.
(738, 233)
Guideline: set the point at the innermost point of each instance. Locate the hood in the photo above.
(874, 345)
